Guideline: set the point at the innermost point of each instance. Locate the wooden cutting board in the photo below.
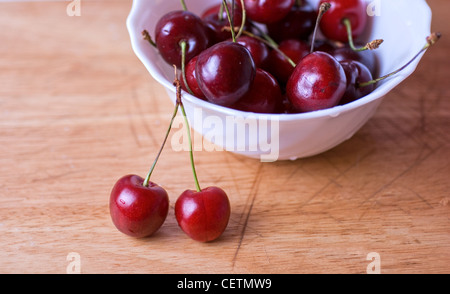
(78, 110)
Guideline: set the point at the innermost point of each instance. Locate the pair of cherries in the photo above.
(139, 207)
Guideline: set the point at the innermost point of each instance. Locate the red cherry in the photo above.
(355, 73)
(264, 95)
(203, 215)
(332, 25)
(318, 82)
(297, 24)
(268, 11)
(138, 210)
(225, 72)
(366, 57)
(215, 24)
(279, 66)
(176, 26)
(258, 50)
(192, 79)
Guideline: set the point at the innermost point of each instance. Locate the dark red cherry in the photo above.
(138, 210)
(215, 24)
(203, 215)
(279, 66)
(258, 50)
(318, 82)
(355, 73)
(264, 95)
(297, 24)
(192, 79)
(268, 11)
(332, 25)
(225, 72)
(176, 26)
(366, 57)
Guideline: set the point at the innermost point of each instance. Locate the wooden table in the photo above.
(78, 110)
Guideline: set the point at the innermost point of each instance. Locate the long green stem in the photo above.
(225, 5)
(431, 40)
(191, 153)
(369, 46)
(183, 4)
(147, 178)
(183, 65)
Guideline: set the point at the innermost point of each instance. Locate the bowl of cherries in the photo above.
(284, 79)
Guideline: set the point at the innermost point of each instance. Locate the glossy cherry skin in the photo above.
(318, 82)
(191, 79)
(203, 215)
(136, 210)
(264, 95)
(258, 50)
(278, 65)
(356, 73)
(215, 25)
(176, 26)
(268, 11)
(225, 72)
(331, 23)
(366, 57)
(297, 24)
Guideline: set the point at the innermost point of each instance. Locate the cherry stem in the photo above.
(191, 153)
(233, 35)
(147, 178)
(269, 43)
(322, 9)
(369, 46)
(183, 65)
(244, 19)
(184, 5)
(220, 15)
(148, 38)
(431, 40)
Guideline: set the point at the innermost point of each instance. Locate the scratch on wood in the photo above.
(253, 193)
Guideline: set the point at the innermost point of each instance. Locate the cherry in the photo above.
(225, 72)
(264, 95)
(268, 11)
(216, 19)
(203, 215)
(258, 50)
(332, 24)
(281, 67)
(191, 79)
(366, 57)
(355, 73)
(176, 26)
(318, 82)
(297, 24)
(136, 209)
(359, 78)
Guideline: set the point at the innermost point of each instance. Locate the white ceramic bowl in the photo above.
(403, 24)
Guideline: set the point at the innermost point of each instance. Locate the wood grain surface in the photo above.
(78, 110)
